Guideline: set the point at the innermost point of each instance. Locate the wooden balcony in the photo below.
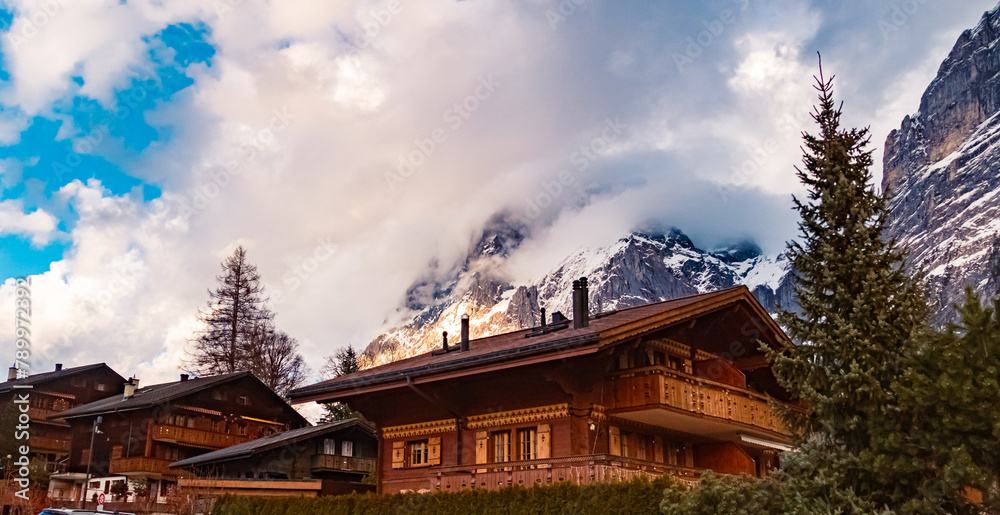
(141, 466)
(575, 469)
(44, 443)
(196, 437)
(662, 392)
(43, 415)
(342, 463)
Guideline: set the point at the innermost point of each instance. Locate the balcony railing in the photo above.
(196, 437)
(44, 443)
(141, 465)
(659, 386)
(575, 469)
(42, 415)
(344, 463)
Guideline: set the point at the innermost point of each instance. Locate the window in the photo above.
(346, 448)
(100, 387)
(640, 447)
(501, 446)
(329, 446)
(625, 438)
(217, 426)
(242, 430)
(190, 422)
(243, 400)
(180, 420)
(78, 382)
(418, 453)
(527, 444)
(217, 395)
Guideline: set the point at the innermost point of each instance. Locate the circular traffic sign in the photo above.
(100, 499)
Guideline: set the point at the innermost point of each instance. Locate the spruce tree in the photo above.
(859, 309)
(343, 362)
(235, 311)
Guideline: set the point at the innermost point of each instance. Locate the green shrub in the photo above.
(635, 497)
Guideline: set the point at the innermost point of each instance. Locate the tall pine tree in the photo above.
(859, 309)
(236, 310)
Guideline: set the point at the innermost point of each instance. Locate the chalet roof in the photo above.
(275, 441)
(604, 329)
(53, 375)
(163, 393)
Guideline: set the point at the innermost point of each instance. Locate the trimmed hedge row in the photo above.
(634, 497)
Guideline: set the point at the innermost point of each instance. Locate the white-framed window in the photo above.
(346, 448)
(527, 440)
(329, 446)
(419, 453)
(501, 446)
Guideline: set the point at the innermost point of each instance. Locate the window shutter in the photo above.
(544, 451)
(398, 454)
(614, 441)
(481, 449)
(434, 451)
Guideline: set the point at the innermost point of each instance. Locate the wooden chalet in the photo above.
(144, 430)
(675, 387)
(50, 394)
(326, 459)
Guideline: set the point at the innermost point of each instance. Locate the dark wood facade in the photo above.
(329, 458)
(670, 388)
(141, 434)
(50, 394)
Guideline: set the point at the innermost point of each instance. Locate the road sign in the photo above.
(100, 502)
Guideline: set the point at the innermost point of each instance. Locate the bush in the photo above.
(635, 497)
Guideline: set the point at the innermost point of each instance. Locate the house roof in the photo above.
(45, 377)
(604, 329)
(157, 394)
(275, 441)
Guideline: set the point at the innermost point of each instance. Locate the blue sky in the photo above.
(353, 146)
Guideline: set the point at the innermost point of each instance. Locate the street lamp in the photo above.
(90, 459)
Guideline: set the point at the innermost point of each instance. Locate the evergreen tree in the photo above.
(235, 311)
(343, 362)
(942, 438)
(859, 309)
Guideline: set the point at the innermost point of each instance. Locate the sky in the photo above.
(353, 146)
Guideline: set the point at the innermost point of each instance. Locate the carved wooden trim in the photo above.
(521, 416)
(419, 429)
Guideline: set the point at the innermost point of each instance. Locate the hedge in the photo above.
(634, 497)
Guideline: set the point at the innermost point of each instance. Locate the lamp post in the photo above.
(90, 459)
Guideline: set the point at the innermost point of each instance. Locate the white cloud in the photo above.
(38, 225)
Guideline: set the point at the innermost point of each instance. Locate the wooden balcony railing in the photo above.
(196, 437)
(575, 469)
(42, 415)
(344, 463)
(44, 443)
(660, 386)
(140, 465)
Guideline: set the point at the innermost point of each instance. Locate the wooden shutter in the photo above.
(482, 452)
(398, 454)
(434, 451)
(544, 446)
(614, 441)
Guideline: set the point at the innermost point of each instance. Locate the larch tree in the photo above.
(239, 333)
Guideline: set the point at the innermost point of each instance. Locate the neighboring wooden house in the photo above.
(50, 394)
(674, 388)
(144, 430)
(330, 458)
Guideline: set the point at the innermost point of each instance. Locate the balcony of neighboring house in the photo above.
(712, 401)
(49, 444)
(574, 469)
(43, 415)
(141, 466)
(196, 437)
(336, 463)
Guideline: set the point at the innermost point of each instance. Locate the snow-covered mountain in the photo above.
(639, 268)
(942, 169)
